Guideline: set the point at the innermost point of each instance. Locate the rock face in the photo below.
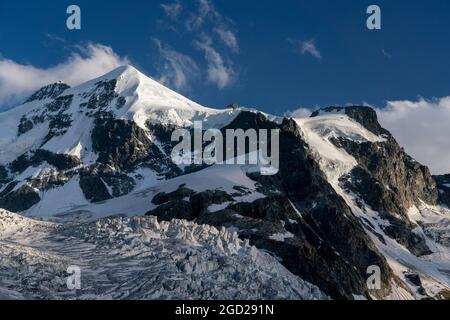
(94, 189)
(3, 176)
(19, 199)
(50, 91)
(443, 185)
(35, 158)
(120, 144)
(54, 113)
(233, 106)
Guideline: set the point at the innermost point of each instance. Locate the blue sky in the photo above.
(249, 52)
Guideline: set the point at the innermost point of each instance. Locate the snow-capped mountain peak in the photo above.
(60, 119)
(64, 137)
(145, 99)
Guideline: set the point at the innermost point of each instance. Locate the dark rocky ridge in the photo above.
(403, 181)
(50, 91)
(21, 199)
(120, 143)
(54, 112)
(4, 175)
(59, 161)
(94, 189)
(443, 185)
(26, 196)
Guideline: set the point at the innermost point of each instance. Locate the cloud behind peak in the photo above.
(86, 62)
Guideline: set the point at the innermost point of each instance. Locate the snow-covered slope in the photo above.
(318, 132)
(67, 202)
(138, 258)
(62, 137)
(125, 93)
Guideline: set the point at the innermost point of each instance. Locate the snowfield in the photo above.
(318, 131)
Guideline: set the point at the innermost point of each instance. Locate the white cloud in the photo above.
(205, 10)
(18, 81)
(208, 16)
(172, 10)
(386, 54)
(423, 128)
(220, 24)
(178, 69)
(55, 38)
(310, 47)
(211, 33)
(307, 47)
(229, 38)
(299, 113)
(219, 72)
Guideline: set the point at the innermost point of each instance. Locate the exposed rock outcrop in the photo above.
(120, 143)
(94, 189)
(19, 200)
(48, 92)
(443, 185)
